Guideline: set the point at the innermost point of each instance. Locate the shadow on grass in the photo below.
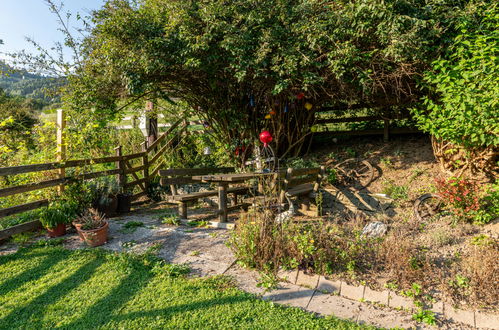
(101, 312)
(169, 312)
(37, 305)
(31, 274)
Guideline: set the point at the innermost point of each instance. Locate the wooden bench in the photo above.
(302, 182)
(182, 176)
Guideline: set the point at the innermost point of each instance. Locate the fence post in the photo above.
(61, 144)
(145, 163)
(386, 130)
(120, 165)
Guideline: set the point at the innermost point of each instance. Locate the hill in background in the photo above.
(28, 85)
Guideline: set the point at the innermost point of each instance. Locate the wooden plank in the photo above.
(94, 175)
(195, 171)
(235, 207)
(162, 150)
(369, 132)
(136, 182)
(135, 176)
(138, 195)
(133, 156)
(178, 180)
(306, 171)
(131, 170)
(163, 136)
(22, 208)
(21, 228)
(51, 183)
(29, 168)
(31, 186)
(222, 202)
(300, 181)
(156, 169)
(347, 120)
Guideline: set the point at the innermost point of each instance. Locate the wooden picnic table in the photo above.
(223, 181)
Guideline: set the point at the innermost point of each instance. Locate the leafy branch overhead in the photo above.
(241, 63)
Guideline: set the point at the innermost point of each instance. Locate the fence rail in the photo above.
(123, 167)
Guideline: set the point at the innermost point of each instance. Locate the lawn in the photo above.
(48, 287)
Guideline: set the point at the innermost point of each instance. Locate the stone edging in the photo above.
(388, 298)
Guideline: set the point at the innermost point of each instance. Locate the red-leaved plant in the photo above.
(462, 196)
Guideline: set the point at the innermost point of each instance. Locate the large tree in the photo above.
(246, 65)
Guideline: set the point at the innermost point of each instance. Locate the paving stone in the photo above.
(309, 281)
(438, 309)
(384, 317)
(459, 315)
(328, 286)
(221, 225)
(486, 320)
(288, 275)
(376, 296)
(352, 292)
(247, 280)
(340, 307)
(396, 301)
(290, 294)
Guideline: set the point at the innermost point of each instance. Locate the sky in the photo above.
(32, 18)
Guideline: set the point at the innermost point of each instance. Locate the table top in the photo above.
(230, 177)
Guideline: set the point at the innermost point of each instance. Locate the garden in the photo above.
(351, 142)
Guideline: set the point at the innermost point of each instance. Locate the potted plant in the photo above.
(55, 217)
(92, 227)
(106, 200)
(124, 201)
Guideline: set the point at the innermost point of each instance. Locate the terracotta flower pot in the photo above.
(95, 237)
(78, 229)
(59, 230)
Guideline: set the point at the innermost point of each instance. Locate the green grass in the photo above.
(52, 287)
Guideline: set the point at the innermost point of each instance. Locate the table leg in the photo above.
(222, 201)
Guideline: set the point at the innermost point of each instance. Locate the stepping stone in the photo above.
(290, 294)
(327, 304)
(385, 318)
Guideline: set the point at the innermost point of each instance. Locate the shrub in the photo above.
(464, 112)
(468, 200)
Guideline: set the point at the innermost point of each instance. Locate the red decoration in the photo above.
(265, 138)
(300, 96)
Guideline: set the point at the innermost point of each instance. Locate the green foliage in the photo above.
(235, 62)
(98, 289)
(466, 82)
(131, 226)
(470, 201)
(56, 213)
(425, 316)
(395, 191)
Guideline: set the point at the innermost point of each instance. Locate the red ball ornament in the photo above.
(300, 96)
(265, 138)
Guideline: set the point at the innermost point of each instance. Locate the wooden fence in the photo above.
(150, 162)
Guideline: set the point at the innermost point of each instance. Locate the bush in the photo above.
(464, 110)
(468, 200)
(322, 247)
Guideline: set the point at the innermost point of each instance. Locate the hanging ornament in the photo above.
(286, 108)
(268, 116)
(252, 101)
(272, 112)
(300, 95)
(308, 106)
(265, 138)
(207, 151)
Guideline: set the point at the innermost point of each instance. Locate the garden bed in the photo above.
(425, 261)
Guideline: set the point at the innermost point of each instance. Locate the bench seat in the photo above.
(302, 189)
(201, 194)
